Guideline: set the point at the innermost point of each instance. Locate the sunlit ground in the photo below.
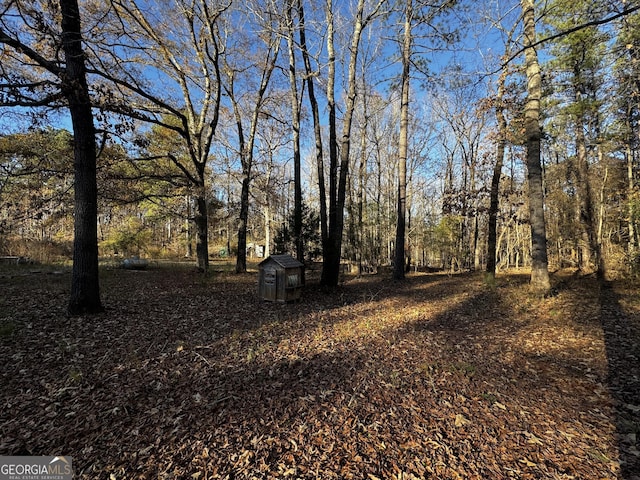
(439, 376)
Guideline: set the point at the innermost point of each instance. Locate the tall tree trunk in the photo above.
(494, 202)
(246, 161)
(539, 262)
(632, 248)
(317, 128)
(85, 284)
(246, 144)
(202, 229)
(241, 258)
(399, 268)
(335, 233)
(331, 246)
(295, 116)
(590, 246)
(601, 209)
(378, 204)
(362, 173)
(473, 214)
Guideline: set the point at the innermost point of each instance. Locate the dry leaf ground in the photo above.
(441, 377)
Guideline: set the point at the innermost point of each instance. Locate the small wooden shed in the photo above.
(280, 278)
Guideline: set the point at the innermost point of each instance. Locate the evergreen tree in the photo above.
(578, 68)
(286, 241)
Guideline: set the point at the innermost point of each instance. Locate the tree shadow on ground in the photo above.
(622, 338)
(546, 362)
(449, 380)
(186, 414)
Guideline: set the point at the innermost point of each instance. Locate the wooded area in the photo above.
(262, 127)
(460, 178)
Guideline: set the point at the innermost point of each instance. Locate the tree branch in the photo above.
(32, 54)
(577, 28)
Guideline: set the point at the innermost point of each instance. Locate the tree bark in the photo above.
(202, 230)
(590, 245)
(85, 284)
(187, 227)
(241, 259)
(494, 202)
(337, 192)
(331, 246)
(399, 257)
(539, 262)
(295, 124)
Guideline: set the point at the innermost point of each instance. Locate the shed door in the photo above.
(270, 288)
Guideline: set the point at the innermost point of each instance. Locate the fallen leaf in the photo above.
(143, 410)
(461, 420)
(532, 439)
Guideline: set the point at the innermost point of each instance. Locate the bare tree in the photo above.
(339, 160)
(494, 194)
(499, 106)
(295, 125)
(166, 67)
(240, 68)
(310, 73)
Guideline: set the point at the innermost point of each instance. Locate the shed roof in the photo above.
(285, 261)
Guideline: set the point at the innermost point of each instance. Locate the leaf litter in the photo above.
(438, 376)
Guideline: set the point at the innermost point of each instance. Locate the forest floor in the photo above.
(444, 377)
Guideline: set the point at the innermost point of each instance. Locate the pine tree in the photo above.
(578, 68)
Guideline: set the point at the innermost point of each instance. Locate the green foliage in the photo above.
(143, 202)
(74, 376)
(285, 241)
(626, 70)
(447, 231)
(577, 61)
(130, 238)
(36, 185)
